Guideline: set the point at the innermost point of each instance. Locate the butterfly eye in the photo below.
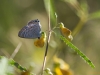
(35, 20)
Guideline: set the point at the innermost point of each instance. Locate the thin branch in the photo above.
(48, 39)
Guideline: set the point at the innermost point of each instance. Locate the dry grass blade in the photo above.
(16, 50)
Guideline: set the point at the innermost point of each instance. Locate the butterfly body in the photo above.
(31, 31)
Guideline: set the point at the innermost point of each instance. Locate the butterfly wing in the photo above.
(31, 31)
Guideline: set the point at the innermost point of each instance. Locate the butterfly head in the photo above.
(34, 22)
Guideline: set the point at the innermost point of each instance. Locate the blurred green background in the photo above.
(81, 17)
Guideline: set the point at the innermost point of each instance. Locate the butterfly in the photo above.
(31, 31)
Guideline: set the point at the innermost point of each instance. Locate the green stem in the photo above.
(79, 26)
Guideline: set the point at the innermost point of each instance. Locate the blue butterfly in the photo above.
(31, 31)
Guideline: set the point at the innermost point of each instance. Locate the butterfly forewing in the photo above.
(32, 30)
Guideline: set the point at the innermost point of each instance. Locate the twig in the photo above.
(48, 39)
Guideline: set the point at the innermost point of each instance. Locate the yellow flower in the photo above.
(26, 73)
(61, 67)
(41, 41)
(66, 32)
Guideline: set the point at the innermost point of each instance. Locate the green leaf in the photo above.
(49, 5)
(94, 15)
(12, 62)
(84, 6)
(84, 57)
(5, 68)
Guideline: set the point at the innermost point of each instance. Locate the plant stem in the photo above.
(48, 39)
(79, 26)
